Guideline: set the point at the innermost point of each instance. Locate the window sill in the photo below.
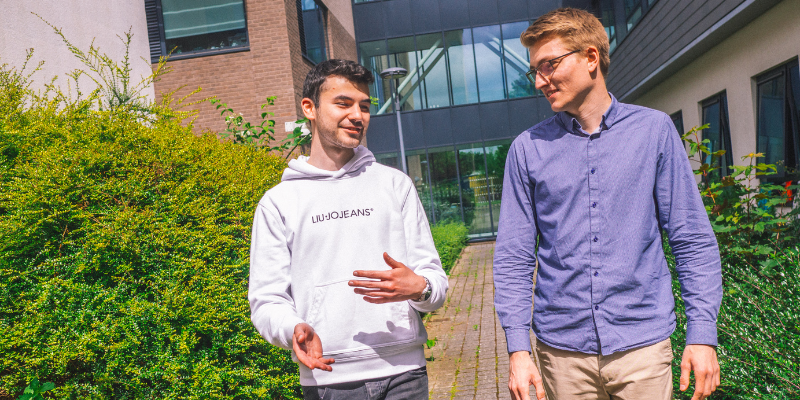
(206, 53)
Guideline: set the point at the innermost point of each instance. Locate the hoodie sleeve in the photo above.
(272, 308)
(423, 258)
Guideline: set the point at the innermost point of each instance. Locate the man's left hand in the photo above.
(702, 359)
(397, 284)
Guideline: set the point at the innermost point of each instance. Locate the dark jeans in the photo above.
(411, 385)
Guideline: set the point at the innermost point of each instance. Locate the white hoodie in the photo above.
(310, 232)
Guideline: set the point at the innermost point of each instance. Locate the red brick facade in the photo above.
(273, 66)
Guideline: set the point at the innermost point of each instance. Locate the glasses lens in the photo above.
(531, 77)
(546, 68)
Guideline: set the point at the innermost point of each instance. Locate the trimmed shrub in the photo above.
(124, 253)
(449, 238)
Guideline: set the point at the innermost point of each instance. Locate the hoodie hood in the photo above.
(301, 169)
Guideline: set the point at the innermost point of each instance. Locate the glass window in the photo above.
(777, 136)
(446, 199)
(402, 53)
(633, 12)
(388, 159)
(373, 56)
(475, 194)
(488, 59)
(516, 60)
(313, 32)
(417, 161)
(461, 58)
(715, 113)
(677, 120)
(201, 25)
(496, 153)
(609, 22)
(433, 71)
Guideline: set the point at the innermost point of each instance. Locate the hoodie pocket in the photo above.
(345, 322)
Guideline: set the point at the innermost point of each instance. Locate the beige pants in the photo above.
(643, 373)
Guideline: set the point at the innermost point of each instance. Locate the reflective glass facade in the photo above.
(463, 101)
(456, 67)
(459, 183)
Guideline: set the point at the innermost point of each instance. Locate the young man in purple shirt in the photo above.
(597, 184)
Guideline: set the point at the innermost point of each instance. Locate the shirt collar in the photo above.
(571, 124)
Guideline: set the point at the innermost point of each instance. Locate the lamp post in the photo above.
(391, 74)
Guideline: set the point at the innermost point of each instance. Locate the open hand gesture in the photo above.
(397, 284)
(308, 348)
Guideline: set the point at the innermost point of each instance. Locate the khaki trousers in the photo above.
(642, 373)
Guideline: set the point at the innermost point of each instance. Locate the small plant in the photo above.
(431, 342)
(240, 131)
(35, 390)
(475, 327)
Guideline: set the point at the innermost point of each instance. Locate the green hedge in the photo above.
(124, 246)
(449, 238)
(758, 328)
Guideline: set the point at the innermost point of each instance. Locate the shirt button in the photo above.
(596, 307)
(595, 239)
(593, 170)
(594, 204)
(596, 273)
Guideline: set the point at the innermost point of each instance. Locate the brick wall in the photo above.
(340, 43)
(273, 66)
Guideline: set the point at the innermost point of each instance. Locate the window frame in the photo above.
(155, 28)
(677, 118)
(323, 10)
(724, 125)
(791, 121)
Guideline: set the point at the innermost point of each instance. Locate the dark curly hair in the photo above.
(350, 70)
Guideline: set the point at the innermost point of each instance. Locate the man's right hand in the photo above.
(308, 348)
(522, 373)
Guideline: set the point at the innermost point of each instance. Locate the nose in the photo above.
(355, 113)
(541, 81)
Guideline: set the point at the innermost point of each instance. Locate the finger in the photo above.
(379, 300)
(685, 371)
(700, 382)
(382, 275)
(373, 292)
(538, 385)
(392, 262)
(373, 284)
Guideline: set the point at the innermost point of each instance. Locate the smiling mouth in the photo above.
(550, 93)
(353, 130)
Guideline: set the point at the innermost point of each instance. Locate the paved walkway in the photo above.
(469, 360)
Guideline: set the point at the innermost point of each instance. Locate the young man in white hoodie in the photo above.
(342, 259)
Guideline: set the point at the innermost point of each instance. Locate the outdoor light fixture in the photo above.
(391, 74)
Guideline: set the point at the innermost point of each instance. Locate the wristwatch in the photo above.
(426, 293)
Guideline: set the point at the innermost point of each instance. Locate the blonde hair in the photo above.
(578, 29)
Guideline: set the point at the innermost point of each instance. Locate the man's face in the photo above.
(571, 81)
(342, 116)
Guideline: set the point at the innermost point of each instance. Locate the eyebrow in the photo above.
(348, 98)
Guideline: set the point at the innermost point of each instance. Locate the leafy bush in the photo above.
(759, 319)
(124, 246)
(449, 238)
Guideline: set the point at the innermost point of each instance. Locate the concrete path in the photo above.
(469, 360)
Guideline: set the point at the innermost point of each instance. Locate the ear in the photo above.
(593, 59)
(309, 109)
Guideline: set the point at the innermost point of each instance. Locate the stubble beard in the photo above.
(330, 136)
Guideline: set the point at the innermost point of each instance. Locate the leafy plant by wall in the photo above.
(756, 225)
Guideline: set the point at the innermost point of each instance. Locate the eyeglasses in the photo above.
(546, 68)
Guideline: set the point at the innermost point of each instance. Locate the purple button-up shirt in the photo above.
(598, 203)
